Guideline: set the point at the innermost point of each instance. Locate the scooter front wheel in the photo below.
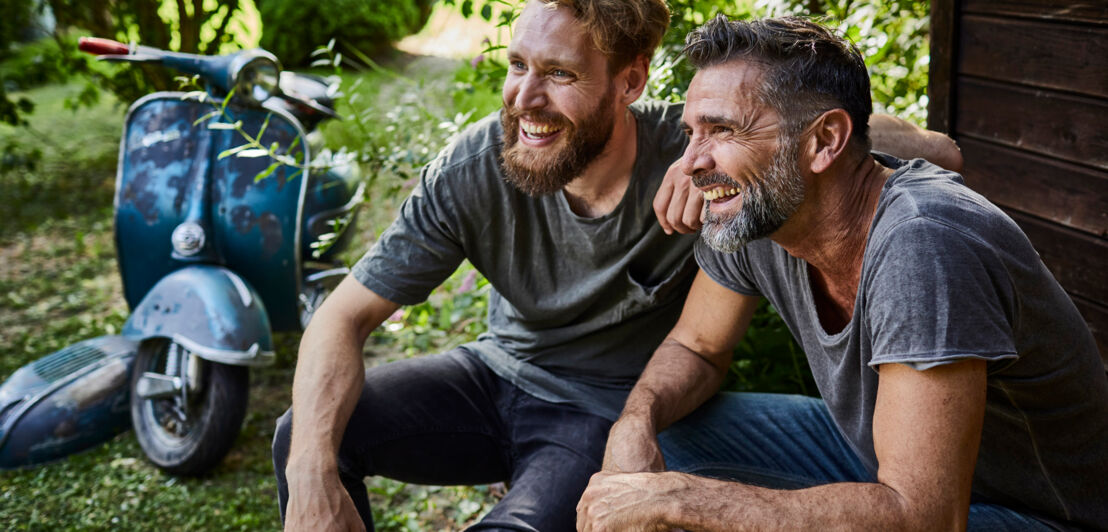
(186, 411)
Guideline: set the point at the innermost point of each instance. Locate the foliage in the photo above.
(198, 26)
(291, 29)
(50, 169)
(17, 17)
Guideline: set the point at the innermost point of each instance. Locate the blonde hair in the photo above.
(620, 29)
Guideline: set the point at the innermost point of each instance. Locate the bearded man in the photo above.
(960, 387)
(551, 200)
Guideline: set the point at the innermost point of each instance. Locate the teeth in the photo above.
(717, 193)
(532, 128)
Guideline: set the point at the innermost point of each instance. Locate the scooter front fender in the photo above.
(209, 310)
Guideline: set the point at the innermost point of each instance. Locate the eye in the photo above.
(561, 74)
(518, 65)
(721, 130)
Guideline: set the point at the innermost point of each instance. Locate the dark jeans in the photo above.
(449, 420)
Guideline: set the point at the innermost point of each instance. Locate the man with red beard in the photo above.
(552, 201)
(960, 387)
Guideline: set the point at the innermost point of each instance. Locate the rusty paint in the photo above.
(242, 218)
(272, 235)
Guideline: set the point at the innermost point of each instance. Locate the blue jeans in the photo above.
(786, 442)
(448, 419)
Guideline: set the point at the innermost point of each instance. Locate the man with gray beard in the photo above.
(960, 387)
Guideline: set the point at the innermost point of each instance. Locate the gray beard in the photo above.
(766, 205)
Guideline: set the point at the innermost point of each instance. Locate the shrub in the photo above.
(291, 29)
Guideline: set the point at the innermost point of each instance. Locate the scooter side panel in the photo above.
(209, 310)
(257, 221)
(163, 161)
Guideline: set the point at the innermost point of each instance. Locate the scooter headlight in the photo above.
(256, 75)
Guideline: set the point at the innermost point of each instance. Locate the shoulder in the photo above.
(745, 270)
(662, 118)
(922, 202)
(471, 158)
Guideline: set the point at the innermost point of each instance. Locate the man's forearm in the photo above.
(674, 383)
(902, 139)
(328, 381)
(709, 504)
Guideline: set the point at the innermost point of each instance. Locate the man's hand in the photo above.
(319, 502)
(632, 447)
(620, 501)
(678, 204)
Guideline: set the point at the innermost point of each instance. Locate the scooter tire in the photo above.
(219, 412)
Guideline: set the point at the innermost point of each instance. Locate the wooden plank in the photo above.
(1078, 261)
(1071, 195)
(1097, 317)
(1042, 121)
(941, 69)
(1055, 56)
(1086, 11)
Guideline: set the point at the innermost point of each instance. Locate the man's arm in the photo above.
(325, 389)
(906, 140)
(678, 205)
(926, 427)
(686, 369)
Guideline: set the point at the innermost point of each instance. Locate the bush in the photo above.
(291, 29)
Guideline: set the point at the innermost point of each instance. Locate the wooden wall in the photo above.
(1022, 85)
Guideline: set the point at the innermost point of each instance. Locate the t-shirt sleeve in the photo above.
(730, 270)
(421, 248)
(938, 296)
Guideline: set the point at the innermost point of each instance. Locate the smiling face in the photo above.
(559, 101)
(739, 157)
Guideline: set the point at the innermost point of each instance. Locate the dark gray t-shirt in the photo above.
(947, 276)
(578, 304)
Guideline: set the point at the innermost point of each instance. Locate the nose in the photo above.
(530, 92)
(697, 159)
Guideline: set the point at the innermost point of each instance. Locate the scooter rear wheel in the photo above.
(186, 411)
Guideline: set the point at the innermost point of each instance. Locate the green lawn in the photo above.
(59, 284)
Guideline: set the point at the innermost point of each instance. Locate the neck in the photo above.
(599, 189)
(830, 228)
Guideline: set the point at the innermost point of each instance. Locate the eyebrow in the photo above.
(566, 61)
(716, 120)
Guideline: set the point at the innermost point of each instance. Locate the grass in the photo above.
(59, 285)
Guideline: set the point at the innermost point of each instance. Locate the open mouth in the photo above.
(537, 131)
(720, 193)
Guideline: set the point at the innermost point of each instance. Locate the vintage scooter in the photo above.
(216, 243)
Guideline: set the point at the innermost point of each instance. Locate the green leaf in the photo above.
(252, 153)
(467, 8)
(223, 125)
(232, 151)
(268, 171)
(208, 116)
(486, 12)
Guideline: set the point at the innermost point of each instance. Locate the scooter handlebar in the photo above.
(98, 46)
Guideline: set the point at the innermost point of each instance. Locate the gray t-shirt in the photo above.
(578, 304)
(947, 276)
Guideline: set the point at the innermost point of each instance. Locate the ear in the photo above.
(828, 137)
(631, 81)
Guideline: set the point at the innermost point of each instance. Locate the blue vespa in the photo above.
(216, 242)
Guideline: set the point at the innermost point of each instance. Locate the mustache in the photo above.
(540, 115)
(714, 178)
